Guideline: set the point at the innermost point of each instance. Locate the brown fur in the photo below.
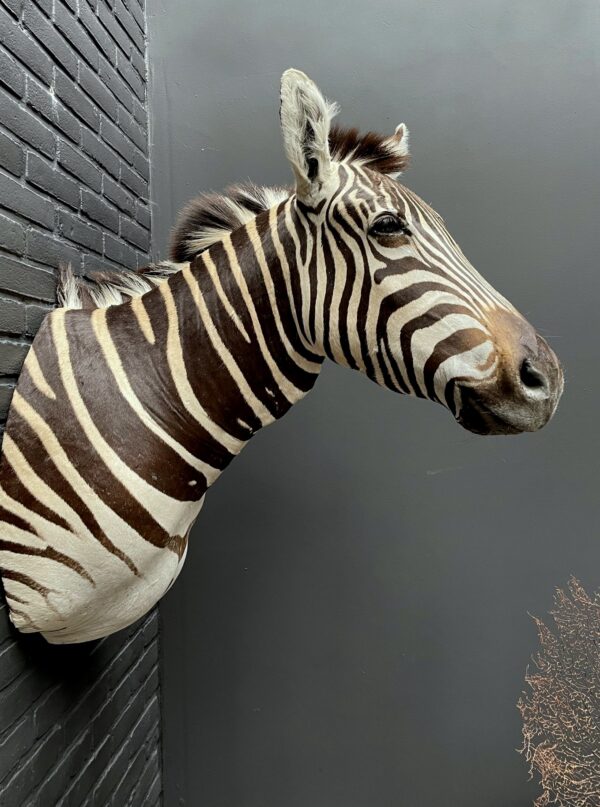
(373, 150)
(212, 212)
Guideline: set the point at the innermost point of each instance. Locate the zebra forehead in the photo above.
(210, 216)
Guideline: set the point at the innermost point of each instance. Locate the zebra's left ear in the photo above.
(397, 147)
(305, 123)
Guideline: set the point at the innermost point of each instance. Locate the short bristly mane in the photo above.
(209, 217)
(382, 153)
(101, 289)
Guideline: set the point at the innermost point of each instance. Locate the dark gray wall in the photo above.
(351, 628)
(77, 725)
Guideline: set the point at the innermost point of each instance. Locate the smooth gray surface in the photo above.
(351, 628)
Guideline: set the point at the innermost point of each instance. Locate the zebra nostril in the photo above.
(531, 377)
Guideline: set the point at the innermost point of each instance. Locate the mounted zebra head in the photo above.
(386, 289)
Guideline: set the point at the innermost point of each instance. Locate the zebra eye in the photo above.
(388, 224)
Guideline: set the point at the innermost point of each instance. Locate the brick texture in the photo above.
(78, 725)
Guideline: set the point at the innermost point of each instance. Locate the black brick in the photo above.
(142, 165)
(116, 85)
(26, 202)
(12, 74)
(135, 768)
(120, 763)
(68, 123)
(139, 63)
(73, 720)
(26, 126)
(45, 5)
(12, 156)
(13, 704)
(98, 151)
(79, 166)
(12, 316)
(107, 17)
(131, 77)
(39, 99)
(142, 215)
(70, 27)
(97, 263)
(132, 129)
(12, 658)
(115, 138)
(97, 210)
(98, 91)
(50, 179)
(35, 315)
(12, 235)
(50, 39)
(5, 629)
(74, 98)
(146, 779)
(119, 252)
(118, 195)
(135, 183)
(136, 11)
(24, 48)
(81, 787)
(135, 234)
(129, 24)
(22, 278)
(142, 259)
(17, 741)
(6, 393)
(97, 32)
(14, 6)
(55, 112)
(47, 249)
(12, 356)
(74, 229)
(140, 114)
(33, 768)
(79, 751)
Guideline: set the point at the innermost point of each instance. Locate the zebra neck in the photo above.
(232, 331)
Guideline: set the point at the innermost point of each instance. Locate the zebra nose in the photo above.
(533, 379)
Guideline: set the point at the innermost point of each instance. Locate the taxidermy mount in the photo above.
(140, 389)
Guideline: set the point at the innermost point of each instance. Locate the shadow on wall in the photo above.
(561, 710)
(79, 721)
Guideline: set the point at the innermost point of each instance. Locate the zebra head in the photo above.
(386, 289)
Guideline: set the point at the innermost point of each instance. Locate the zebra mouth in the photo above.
(480, 419)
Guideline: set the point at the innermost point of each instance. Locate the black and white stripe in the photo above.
(142, 388)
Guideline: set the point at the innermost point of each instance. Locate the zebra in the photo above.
(141, 388)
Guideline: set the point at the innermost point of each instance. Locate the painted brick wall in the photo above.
(78, 725)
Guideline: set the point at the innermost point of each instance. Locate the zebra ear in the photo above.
(305, 123)
(397, 146)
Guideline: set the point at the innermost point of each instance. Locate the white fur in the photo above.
(398, 144)
(105, 293)
(267, 197)
(305, 123)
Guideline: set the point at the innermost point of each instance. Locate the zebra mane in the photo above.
(209, 217)
(382, 153)
(101, 289)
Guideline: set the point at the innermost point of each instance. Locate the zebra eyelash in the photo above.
(389, 224)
